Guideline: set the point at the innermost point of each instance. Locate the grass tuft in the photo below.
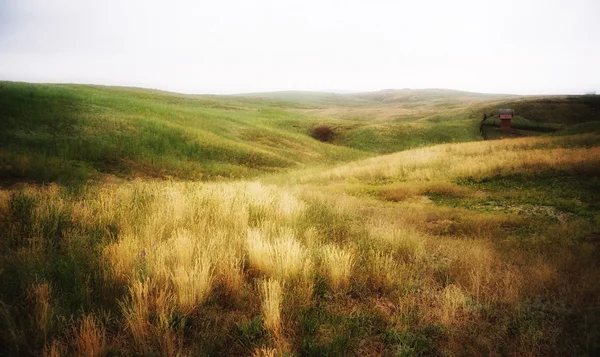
(90, 337)
(272, 297)
(338, 264)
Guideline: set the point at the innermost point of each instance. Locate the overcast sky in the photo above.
(229, 46)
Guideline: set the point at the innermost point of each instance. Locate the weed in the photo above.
(250, 333)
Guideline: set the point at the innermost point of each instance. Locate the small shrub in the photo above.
(250, 333)
(322, 133)
(420, 342)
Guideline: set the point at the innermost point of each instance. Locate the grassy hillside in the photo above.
(457, 249)
(439, 248)
(76, 133)
(395, 120)
(307, 99)
(71, 132)
(560, 110)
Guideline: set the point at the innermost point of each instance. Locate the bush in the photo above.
(322, 133)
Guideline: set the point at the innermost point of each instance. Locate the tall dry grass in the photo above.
(192, 285)
(193, 235)
(43, 311)
(404, 240)
(182, 260)
(136, 312)
(90, 337)
(282, 257)
(527, 156)
(338, 264)
(452, 301)
(271, 291)
(385, 271)
(53, 349)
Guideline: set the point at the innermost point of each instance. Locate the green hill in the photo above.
(73, 133)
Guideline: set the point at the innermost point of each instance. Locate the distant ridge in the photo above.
(384, 96)
(414, 95)
(388, 91)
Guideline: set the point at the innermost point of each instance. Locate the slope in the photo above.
(71, 133)
(74, 133)
(470, 249)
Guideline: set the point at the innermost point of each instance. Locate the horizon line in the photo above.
(274, 91)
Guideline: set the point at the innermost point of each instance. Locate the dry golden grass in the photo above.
(148, 314)
(272, 297)
(136, 312)
(90, 337)
(264, 352)
(477, 159)
(41, 294)
(229, 268)
(283, 257)
(169, 342)
(404, 191)
(185, 252)
(123, 257)
(338, 264)
(192, 285)
(385, 271)
(188, 263)
(452, 300)
(403, 239)
(5, 197)
(53, 349)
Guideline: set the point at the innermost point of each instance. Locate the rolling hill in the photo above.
(67, 133)
(137, 222)
(74, 132)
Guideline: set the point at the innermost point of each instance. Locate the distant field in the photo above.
(143, 223)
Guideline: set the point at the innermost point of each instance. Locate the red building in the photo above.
(505, 116)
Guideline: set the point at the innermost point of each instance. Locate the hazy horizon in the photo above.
(231, 47)
(324, 91)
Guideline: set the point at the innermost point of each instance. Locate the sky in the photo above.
(238, 46)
